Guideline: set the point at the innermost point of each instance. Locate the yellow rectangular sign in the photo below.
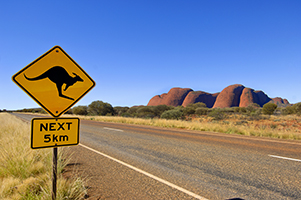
(54, 132)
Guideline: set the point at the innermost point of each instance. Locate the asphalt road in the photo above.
(139, 162)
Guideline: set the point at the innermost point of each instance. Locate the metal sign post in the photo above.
(54, 173)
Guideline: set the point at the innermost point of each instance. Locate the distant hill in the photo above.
(232, 96)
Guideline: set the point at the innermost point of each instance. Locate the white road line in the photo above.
(147, 174)
(113, 129)
(286, 158)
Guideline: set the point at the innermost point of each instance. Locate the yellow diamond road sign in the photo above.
(55, 81)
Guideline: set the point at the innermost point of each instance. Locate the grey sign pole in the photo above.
(54, 173)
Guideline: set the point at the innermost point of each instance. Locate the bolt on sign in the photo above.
(55, 81)
(54, 132)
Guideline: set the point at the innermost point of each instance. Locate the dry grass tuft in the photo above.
(25, 173)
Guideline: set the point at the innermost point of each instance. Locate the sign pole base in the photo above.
(54, 173)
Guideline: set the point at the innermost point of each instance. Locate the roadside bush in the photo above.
(145, 112)
(269, 108)
(242, 110)
(158, 110)
(133, 110)
(297, 108)
(172, 114)
(80, 110)
(119, 110)
(188, 110)
(197, 105)
(217, 114)
(201, 111)
(144, 109)
(288, 110)
(236, 109)
(100, 108)
(252, 107)
(256, 115)
(126, 114)
(227, 110)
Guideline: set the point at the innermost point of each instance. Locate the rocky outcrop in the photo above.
(279, 101)
(199, 96)
(247, 97)
(174, 97)
(229, 97)
(157, 100)
(262, 98)
(233, 95)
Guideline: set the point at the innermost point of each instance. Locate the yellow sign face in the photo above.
(54, 132)
(55, 81)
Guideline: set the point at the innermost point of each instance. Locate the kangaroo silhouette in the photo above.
(59, 76)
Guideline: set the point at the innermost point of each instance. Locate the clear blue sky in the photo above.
(137, 49)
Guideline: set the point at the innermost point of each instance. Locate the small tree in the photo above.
(100, 108)
(133, 110)
(288, 110)
(201, 111)
(297, 108)
(172, 114)
(269, 108)
(119, 110)
(80, 110)
(242, 110)
(188, 110)
(252, 107)
(146, 111)
(158, 110)
(217, 114)
(197, 105)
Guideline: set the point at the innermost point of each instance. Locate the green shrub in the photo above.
(172, 114)
(158, 110)
(80, 110)
(197, 105)
(100, 108)
(217, 114)
(297, 108)
(201, 111)
(288, 110)
(242, 110)
(236, 109)
(252, 107)
(145, 112)
(188, 110)
(256, 115)
(133, 110)
(145, 109)
(227, 110)
(269, 108)
(126, 114)
(119, 110)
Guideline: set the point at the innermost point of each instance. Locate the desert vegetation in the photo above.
(26, 173)
(253, 120)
